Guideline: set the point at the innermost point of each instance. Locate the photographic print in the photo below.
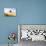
(33, 32)
(9, 12)
(30, 33)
